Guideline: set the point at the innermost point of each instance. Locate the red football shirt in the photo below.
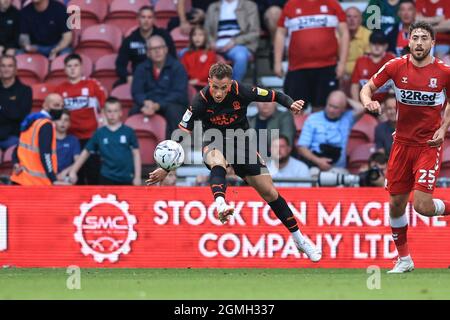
(421, 97)
(311, 27)
(197, 64)
(440, 8)
(84, 100)
(365, 68)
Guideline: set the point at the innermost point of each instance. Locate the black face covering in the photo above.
(56, 114)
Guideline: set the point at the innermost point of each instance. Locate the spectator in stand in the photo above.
(359, 38)
(385, 130)
(83, 98)
(316, 61)
(233, 31)
(388, 10)
(368, 65)
(283, 165)
(118, 147)
(198, 58)
(187, 19)
(324, 137)
(43, 28)
(34, 159)
(67, 147)
(160, 85)
(437, 13)
(134, 47)
(269, 117)
(9, 28)
(15, 102)
(398, 37)
(373, 175)
(269, 13)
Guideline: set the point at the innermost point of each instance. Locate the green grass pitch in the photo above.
(16, 283)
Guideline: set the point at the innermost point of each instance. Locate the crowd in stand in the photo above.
(330, 52)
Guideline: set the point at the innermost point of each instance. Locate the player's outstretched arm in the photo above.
(264, 95)
(156, 176)
(366, 94)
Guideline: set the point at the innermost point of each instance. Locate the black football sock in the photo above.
(217, 181)
(284, 213)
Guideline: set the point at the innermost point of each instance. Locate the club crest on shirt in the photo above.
(236, 105)
(404, 79)
(298, 11)
(433, 83)
(323, 9)
(85, 91)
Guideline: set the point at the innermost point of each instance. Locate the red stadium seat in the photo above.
(123, 93)
(362, 132)
(164, 10)
(123, 13)
(6, 163)
(359, 156)
(149, 131)
(299, 121)
(92, 11)
(40, 92)
(99, 40)
(105, 71)
(31, 68)
(57, 74)
(181, 40)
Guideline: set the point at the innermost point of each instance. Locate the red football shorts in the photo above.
(412, 168)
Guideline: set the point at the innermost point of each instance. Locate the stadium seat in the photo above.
(181, 40)
(40, 92)
(359, 156)
(57, 75)
(362, 132)
(99, 40)
(123, 13)
(123, 93)
(149, 131)
(6, 163)
(31, 68)
(92, 11)
(164, 10)
(105, 71)
(299, 121)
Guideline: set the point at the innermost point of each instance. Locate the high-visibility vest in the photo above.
(33, 172)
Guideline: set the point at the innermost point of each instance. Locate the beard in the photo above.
(425, 54)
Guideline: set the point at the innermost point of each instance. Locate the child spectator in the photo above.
(198, 58)
(118, 148)
(67, 146)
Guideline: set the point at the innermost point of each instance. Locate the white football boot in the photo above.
(224, 211)
(314, 254)
(403, 264)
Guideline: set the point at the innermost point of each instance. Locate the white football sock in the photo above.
(399, 222)
(298, 236)
(439, 207)
(220, 200)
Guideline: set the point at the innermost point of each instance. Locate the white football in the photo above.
(169, 154)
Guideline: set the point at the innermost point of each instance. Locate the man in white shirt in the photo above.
(282, 165)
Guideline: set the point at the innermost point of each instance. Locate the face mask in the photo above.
(56, 114)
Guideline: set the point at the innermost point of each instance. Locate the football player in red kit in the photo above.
(421, 82)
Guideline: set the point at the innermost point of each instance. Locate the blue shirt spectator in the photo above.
(43, 28)
(324, 137)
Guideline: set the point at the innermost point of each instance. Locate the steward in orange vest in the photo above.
(36, 152)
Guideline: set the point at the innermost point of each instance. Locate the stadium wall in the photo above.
(165, 227)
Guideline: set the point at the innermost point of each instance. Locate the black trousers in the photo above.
(89, 172)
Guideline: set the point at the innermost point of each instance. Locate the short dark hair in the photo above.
(144, 8)
(72, 56)
(407, 1)
(113, 100)
(422, 25)
(220, 70)
(66, 112)
(8, 56)
(283, 137)
(378, 157)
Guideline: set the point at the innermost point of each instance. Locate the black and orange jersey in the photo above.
(231, 112)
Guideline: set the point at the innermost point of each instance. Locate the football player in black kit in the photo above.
(223, 105)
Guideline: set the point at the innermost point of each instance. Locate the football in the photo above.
(169, 154)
